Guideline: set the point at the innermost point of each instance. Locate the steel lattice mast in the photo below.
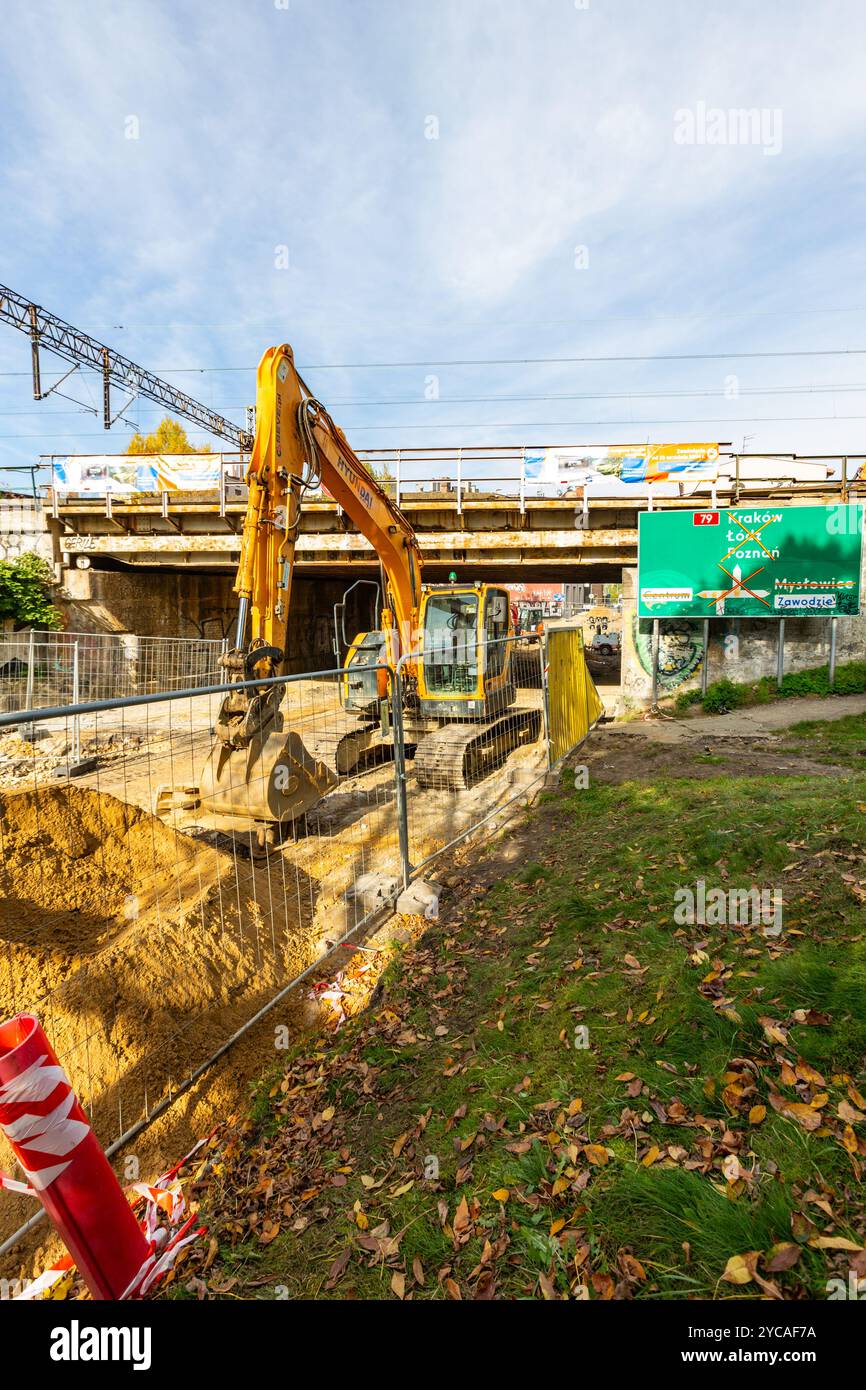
(48, 331)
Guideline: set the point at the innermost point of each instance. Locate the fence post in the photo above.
(31, 646)
(459, 482)
(76, 700)
(544, 652)
(586, 679)
(400, 776)
(831, 669)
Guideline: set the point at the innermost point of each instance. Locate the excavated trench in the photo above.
(139, 948)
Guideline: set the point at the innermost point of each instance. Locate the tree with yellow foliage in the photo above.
(169, 437)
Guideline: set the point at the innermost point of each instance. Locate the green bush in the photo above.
(724, 695)
(850, 680)
(24, 592)
(687, 698)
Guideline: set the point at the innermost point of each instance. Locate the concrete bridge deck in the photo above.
(503, 535)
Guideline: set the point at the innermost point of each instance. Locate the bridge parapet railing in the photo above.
(520, 474)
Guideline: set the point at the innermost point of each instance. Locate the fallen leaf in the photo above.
(338, 1268)
(740, 1269)
(782, 1256)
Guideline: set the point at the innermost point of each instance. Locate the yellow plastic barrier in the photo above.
(574, 704)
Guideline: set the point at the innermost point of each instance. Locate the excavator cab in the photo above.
(466, 687)
(362, 686)
(465, 666)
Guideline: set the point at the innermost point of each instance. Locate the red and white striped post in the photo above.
(64, 1162)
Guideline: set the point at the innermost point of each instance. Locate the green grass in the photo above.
(839, 741)
(513, 974)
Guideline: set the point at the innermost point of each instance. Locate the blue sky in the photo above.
(307, 127)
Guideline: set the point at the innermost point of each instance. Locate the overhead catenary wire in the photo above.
(640, 316)
(433, 361)
(819, 388)
(359, 427)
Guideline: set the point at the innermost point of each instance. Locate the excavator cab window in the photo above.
(495, 631)
(451, 643)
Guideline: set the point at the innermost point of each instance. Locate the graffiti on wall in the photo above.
(681, 649)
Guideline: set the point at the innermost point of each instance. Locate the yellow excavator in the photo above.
(451, 641)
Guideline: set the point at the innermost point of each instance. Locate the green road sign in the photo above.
(750, 562)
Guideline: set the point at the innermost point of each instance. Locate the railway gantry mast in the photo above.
(69, 343)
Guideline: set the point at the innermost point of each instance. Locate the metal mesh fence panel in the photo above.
(42, 669)
(152, 909)
(145, 941)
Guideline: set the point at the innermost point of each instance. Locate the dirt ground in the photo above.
(140, 949)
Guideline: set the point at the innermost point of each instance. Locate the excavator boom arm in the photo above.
(298, 447)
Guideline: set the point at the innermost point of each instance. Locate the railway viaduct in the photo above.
(163, 563)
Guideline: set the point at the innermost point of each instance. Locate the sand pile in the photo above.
(140, 948)
(76, 865)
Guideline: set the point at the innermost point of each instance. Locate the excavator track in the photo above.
(342, 744)
(459, 755)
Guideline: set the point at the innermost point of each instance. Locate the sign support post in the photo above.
(655, 651)
(705, 669)
(831, 669)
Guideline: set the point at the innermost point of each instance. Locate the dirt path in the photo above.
(743, 743)
(755, 722)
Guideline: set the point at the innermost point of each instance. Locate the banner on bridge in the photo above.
(630, 463)
(750, 562)
(124, 475)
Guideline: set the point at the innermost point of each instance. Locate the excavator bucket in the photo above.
(273, 779)
(259, 792)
